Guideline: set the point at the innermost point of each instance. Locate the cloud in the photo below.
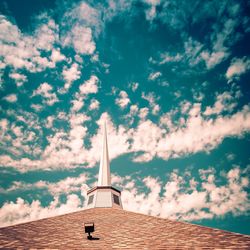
(166, 57)
(11, 98)
(145, 137)
(17, 136)
(201, 134)
(84, 15)
(90, 86)
(196, 132)
(23, 51)
(19, 78)
(70, 75)
(153, 76)
(36, 107)
(238, 67)
(77, 105)
(21, 211)
(221, 39)
(213, 58)
(143, 112)
(66, 186)
(81, 39)
(180, 198)
(150, 97)
(134, 86)
(133, 112)
(57, 56)
(46, 35)
(94, 104)
(151, 11)
(123, 99)
(225, 102)
(210, 50)
(45, 90)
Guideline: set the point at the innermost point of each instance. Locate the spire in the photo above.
(104, 171)
(104, 195)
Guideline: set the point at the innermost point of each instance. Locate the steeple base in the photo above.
(104, 196)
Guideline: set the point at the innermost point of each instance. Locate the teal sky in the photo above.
(171, 79)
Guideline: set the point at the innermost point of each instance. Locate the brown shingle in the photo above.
(117, 229)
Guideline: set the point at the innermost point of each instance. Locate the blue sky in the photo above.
(171, 78)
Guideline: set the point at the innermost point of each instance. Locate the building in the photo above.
(115, 228)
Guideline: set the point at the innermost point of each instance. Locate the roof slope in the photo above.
(117, 229)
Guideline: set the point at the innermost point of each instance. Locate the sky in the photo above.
(171, 79)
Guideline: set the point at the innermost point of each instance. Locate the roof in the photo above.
(117, 229)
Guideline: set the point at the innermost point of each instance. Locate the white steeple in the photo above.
(104, 170)
(104, 195)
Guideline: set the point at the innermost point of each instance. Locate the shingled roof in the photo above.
(117, 229)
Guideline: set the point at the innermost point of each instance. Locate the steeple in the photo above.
(104, 170)
(104, 195)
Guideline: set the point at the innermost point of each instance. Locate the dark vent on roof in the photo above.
(91, 198)
(116, 199)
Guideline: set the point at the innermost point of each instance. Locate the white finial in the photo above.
(104, 171)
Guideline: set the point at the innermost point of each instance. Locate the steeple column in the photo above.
(104, 195)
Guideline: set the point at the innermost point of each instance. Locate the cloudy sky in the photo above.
(171, 78)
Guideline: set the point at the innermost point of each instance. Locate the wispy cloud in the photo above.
(180, 198)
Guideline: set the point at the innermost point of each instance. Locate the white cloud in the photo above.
(166, 121)
(143, 112)
(80, 38)
(123, 99)
(20, 50)
(90, 86)
(183, 200)
(4, 125)
(46, 35)
(77, 105)
(151, 11)
(11, 98)
(84, 15)
(67, 186)
(134, 86)
(203, 134)
(221, 38)
(36, 107)
(150, 97)
(179, 197)
(49, 121)
(238, 67)
(57, 56)
(71, 74)
(45, 90)
(19, 78)
(153, 76)
(193, 134)
(167, 57)
(145, 138)
(213, 58)
(225, 102)
(133, 111)
(22, 211)
(94, 104)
